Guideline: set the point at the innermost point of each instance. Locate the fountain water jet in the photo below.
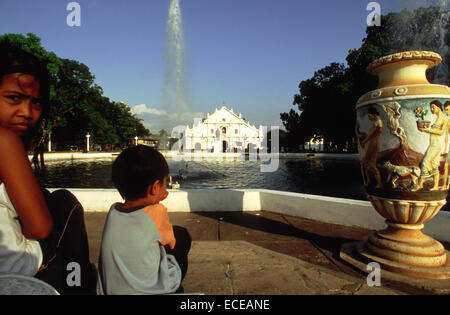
(434, 37)
(175, 90)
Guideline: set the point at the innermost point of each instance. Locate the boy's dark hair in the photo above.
(136, 168)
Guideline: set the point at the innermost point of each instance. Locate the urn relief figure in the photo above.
(402, 130)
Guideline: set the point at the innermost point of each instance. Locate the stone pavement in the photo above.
(261, 252)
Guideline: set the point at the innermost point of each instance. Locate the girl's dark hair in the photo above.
(136, 168)
(13, 59)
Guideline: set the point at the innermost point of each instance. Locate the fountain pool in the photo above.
(327, 177)
(339, 178)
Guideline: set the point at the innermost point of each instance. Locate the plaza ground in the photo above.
(292, 249)
(261, 252)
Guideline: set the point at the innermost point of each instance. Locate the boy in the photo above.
(141, 253)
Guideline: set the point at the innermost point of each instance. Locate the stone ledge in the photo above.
(341, 211)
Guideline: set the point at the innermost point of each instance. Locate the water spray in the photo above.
(438, 32)
(175, 91)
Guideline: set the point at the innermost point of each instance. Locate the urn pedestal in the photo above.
(402, 130)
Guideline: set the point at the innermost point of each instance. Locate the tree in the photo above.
(322, 105)
(326, 101)
(77, 104)
(291, 122)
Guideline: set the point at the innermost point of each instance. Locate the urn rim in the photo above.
(430, 57)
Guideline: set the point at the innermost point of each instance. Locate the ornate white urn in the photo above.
(402, 129)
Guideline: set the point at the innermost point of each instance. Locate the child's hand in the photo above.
(159, 215)
(172, 243)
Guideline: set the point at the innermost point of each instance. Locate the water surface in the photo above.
(327, 177)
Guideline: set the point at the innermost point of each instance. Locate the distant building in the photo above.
(315, 144)
(223, 131)
(151, 142)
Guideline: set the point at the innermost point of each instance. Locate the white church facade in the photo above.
(223, 131)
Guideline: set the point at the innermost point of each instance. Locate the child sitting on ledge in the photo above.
(141, 253)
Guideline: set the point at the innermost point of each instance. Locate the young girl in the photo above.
(40, 233)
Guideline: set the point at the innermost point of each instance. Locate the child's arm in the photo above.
(161, 219)
(23, 190)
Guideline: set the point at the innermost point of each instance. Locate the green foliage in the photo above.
(77, 106)
(326, 101)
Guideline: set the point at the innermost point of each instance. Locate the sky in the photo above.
(249, 55)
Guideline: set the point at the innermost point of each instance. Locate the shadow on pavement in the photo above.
(272, 229)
